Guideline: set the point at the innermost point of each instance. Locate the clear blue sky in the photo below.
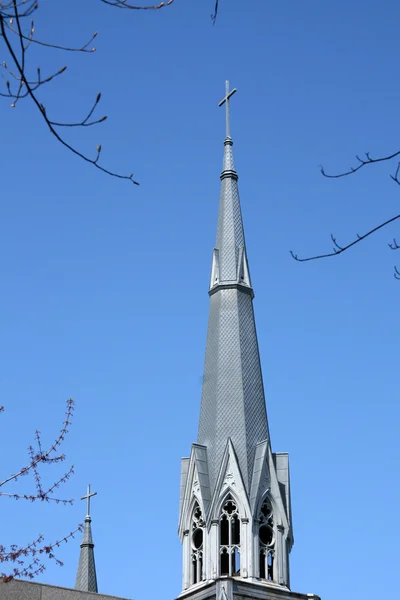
(104, 285)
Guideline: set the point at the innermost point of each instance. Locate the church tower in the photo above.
(235, 520)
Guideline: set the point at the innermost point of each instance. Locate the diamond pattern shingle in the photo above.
(233, 403)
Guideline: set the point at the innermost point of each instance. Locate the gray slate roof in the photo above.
(233, 403)
(29, 590)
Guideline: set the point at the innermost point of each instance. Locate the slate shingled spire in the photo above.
(233, 404)
(235, 515)
(86, 579)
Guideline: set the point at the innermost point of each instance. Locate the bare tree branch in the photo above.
(124, 4)
(31, 39)
(339, 249)
(85, 122)
(31, 553)
(31, 92)
(215, 13)
(13, 13)
(394, 245)
(18, 554)
(362, 163)
(44, 457)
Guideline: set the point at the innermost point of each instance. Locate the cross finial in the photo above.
(225, 100)
(87, 498)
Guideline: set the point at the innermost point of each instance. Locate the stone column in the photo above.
(214, 549)
(186, 560)
(280, 555)
(255, 568)
(244, 548)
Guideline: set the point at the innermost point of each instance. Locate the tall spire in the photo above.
(235, 516)
(233, 404)
(86, 579)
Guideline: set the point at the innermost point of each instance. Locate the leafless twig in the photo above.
(362, 163)
(20, 555)
(215, 13)
(394, 245)
(124, 4)
(17, 39)
(337, 249)
(34, 551)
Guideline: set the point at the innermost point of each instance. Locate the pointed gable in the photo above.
(194, 485)
(229, 481)
(260, 481)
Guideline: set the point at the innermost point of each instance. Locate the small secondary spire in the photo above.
(86, 579)
(228, 95)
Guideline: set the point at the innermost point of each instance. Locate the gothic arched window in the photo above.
(197, 535)
(229, 538)
(266, 541)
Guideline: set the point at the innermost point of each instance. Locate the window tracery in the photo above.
(266, 541)
(229, 547)
(197, 536)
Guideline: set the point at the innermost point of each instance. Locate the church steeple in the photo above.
(86, 579)
(232, 404)
(235, 515)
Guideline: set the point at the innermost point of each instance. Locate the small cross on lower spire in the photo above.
(87, 498)
(225, 100)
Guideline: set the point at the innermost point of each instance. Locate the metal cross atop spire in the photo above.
(225, 100)
(87, 498)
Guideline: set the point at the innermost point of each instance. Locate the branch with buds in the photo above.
(34, 552)
(27, 559)
(363, 162)
(124, 4)
(338, 249)
(18, 34)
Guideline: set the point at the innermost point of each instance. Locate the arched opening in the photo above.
(229, 538)
(266, 542)
(197, 539)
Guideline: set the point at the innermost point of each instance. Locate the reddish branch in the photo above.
(17, 31)
(34, 552)
(27, 560)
